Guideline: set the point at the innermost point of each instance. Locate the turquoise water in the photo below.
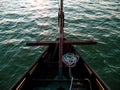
(26, 20)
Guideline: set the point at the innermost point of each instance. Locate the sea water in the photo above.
(28, 20)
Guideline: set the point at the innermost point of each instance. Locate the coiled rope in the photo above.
(70, 60)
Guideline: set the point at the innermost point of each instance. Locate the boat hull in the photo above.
(44, 74)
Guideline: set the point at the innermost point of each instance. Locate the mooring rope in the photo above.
(70, 74)
(89, 83)
(70, 60)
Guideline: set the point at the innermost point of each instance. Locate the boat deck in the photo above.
(46, 77)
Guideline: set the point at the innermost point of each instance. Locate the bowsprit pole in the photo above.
(61, 35)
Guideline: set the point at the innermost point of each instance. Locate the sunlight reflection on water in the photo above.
(26, 20)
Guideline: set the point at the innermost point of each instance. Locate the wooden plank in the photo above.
(46, 43)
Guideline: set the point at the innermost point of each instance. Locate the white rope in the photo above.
(71, 78)
(70, 60)
(89, 83)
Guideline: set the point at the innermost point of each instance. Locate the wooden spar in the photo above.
(46, 43)
(61, 35)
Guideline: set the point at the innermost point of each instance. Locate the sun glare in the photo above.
(37, 1)
(40, 4)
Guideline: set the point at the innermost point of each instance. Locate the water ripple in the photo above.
(27, 20)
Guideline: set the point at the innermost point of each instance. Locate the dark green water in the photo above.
(26, 20)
